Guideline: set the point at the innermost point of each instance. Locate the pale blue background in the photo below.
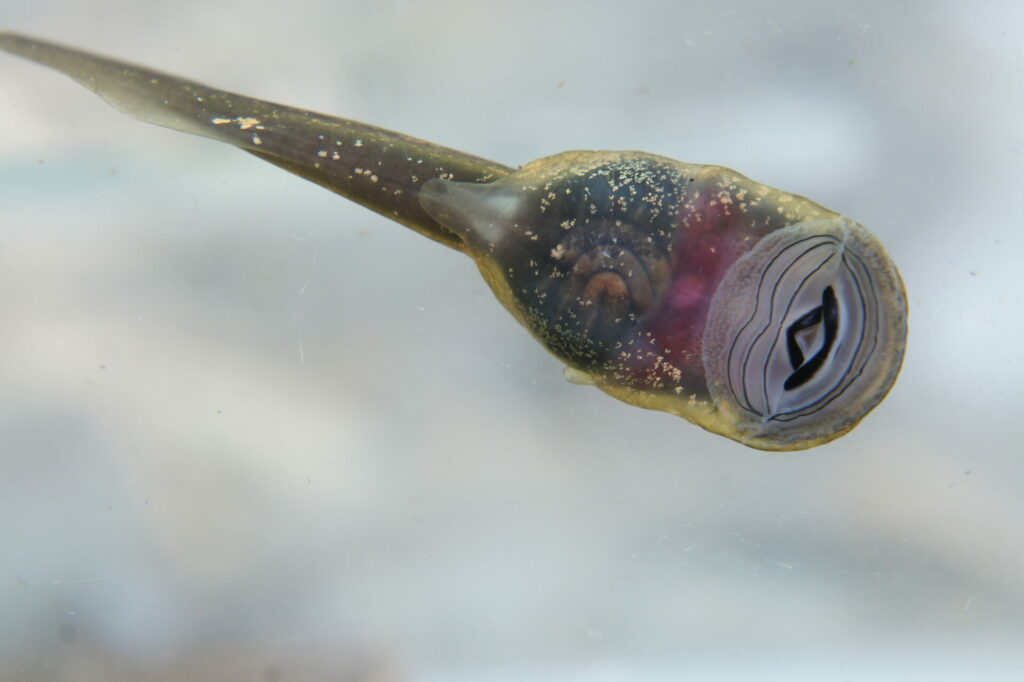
(251, 431)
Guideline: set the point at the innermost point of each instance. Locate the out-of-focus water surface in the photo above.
(250, 431)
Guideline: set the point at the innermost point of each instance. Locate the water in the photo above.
(249, 430)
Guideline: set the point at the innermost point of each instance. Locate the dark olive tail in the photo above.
(377, 168)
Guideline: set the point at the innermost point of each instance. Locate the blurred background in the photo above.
(251, 431)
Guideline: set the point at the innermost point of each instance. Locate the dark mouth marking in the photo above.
(746, 400)
(828, 315)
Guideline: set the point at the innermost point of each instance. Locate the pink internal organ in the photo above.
(669, 349)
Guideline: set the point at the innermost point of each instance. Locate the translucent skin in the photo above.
(693, 223)
(692, 289)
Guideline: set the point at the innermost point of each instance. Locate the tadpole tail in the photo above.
(377, 168)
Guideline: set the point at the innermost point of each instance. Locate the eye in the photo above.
(805, 333)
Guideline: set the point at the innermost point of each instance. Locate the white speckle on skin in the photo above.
(218, 121)
(322, 153)
(359, 143)
(246, 122)
(256, 139)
